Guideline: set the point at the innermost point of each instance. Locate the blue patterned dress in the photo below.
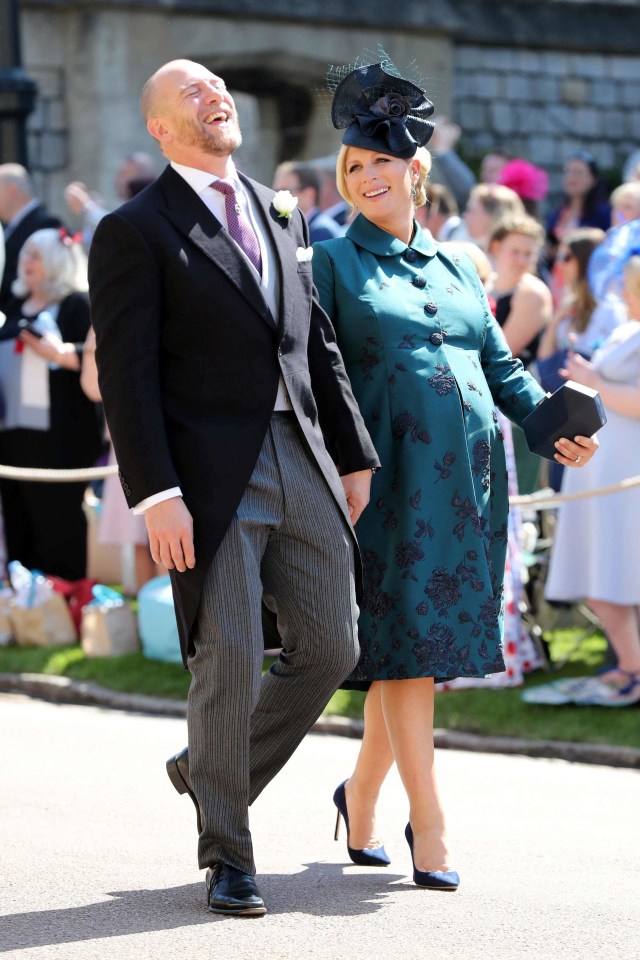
(427, 361)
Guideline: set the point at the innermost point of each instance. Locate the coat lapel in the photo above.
(280, 231)
(190, 216)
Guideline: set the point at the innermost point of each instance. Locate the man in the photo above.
(440, 216)
(228, 405)
(304, 183)
(21, 215)
(136, 171)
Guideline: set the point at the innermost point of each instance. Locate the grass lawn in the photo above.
(482, 711)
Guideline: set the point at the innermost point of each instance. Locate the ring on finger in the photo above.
(578, 459)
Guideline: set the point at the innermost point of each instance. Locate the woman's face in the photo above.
(476, 218)
(578, 178)
(31, 268)
(515, 255)
(567, 264)
(379, 185)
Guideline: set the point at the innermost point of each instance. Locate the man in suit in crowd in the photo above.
(21, 215)
(304, 183)
(229, 409)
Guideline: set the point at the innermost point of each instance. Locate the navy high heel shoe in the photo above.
(377, 856)
(431, 879)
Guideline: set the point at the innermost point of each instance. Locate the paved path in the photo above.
(98, 854)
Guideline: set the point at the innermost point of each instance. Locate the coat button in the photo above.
(419, 282)
(410, 255)
(431, 308)
(436, 339)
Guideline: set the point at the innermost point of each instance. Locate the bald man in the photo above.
(238, 436)
(21, 214)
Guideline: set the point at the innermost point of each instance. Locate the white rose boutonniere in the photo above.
(284, 203)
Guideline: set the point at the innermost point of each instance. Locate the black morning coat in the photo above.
(189, 358)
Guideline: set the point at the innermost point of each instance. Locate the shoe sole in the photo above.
(242, 912)
(178, 781)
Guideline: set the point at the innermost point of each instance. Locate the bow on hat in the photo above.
(383, 112)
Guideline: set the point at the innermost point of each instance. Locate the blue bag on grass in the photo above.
(157, 625)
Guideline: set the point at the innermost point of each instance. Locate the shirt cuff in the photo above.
(156, 498)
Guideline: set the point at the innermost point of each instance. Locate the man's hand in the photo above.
(77, 197)
(356, 489)
(170, 528)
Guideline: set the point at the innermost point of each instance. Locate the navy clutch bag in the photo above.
(573, 410)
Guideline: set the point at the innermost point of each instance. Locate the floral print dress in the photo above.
(427, 361)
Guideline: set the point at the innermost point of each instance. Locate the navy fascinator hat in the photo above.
(380, 110)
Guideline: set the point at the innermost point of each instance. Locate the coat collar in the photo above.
(365, 234)
(191, 217)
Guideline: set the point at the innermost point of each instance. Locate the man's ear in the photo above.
(158, 130)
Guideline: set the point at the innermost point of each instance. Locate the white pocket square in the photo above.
(304, 254)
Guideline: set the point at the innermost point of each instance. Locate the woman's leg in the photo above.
(407, 706)
(372, 766)
(620, 623)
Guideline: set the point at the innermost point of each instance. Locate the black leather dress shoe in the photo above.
(178, 770)
(232, 892)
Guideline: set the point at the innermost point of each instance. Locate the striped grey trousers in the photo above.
(289, 541)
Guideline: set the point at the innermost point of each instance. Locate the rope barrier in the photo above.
(541, 500)
(82, 474)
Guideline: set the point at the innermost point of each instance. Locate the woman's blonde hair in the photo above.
(477, 256)
(64, 262)
(498, 201)
(422, 155)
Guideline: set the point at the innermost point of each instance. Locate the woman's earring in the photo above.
(413, 192)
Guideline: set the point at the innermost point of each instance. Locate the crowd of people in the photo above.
(314, 410)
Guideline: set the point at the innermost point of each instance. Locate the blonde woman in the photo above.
(596, 550)
(427, 362)
(488, 203)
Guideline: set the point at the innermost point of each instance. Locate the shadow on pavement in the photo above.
(321, 889)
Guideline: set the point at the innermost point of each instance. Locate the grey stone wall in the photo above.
(542, 104)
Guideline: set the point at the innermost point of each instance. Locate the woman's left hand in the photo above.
(52, 349)
(576, 452)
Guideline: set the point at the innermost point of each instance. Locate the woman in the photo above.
(584, 205)
(523, 308)
(595, 548)
(487, 204)
(580, 321)
(48, 422)
(426, 360)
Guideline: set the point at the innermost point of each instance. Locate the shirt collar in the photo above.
(365, 234)
(199, 180)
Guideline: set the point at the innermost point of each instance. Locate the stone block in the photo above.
(35, 120)
(487, 85)
(543, 151)
(50, 82)
(501, 117)
(604, 154)
(591, 65)
(559, 118)
(587, 122)
(518, 87)
(472, 115)
(574, 90)
(529, 61)
(498, 58)
(556, 63)
(629, 92)
(605, 93)
(615, 124)
(624, 68)
(546, 89)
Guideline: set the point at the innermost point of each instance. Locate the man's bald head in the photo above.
(167, 78)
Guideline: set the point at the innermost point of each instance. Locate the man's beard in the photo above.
(218, 143)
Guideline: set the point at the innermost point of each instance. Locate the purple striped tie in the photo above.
(238, 224)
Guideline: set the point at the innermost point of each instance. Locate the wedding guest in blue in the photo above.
(427, 362)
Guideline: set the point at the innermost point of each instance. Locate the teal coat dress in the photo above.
(427, 362)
